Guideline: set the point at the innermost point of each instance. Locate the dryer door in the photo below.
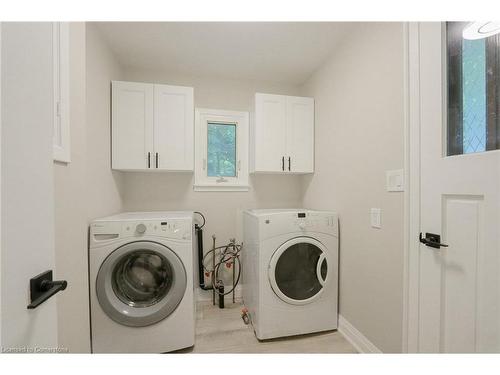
(140, 283)
(298, 270)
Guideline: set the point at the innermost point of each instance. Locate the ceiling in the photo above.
(287, 52)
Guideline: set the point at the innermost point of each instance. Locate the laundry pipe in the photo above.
(213, 269)
(201, 272)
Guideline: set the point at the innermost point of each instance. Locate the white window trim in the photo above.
(61, 138)
(201, 181)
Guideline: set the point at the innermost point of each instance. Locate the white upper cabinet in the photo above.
(300, 134)
(152, 127)
(268, 133)
(282, 134)
(174, 127)
(132, 125)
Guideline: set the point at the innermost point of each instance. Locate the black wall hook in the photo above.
(42, 287)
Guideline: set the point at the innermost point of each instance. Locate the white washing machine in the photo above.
(141, 282)
(290, 275)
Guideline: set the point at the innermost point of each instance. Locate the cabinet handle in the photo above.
(289, 163)
(283, 163)
(156, 160)
(149, 159)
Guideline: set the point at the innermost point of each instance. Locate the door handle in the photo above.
(283, 163)
(432, 240)
(156, 160)
(289, 163)
(149, 159)
(42, 287)
(322, 258)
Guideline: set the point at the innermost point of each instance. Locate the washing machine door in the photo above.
(298, 270)
(140, 283)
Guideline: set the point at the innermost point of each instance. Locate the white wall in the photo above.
(359, 135)
(86, 188)
(174, 191)
(104, 186)
(71, 210)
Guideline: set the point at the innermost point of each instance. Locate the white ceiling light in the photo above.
(480, 30)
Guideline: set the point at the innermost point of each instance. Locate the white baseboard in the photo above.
(356, 338)
(206, 295)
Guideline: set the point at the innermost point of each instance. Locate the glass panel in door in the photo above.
(473, 92)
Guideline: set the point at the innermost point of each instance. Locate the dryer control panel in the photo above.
(306, 221)
(316, 221)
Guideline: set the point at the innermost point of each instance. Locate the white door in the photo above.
(270, 133)
(173, 128)
(132, 126)
(457, 304)
(300, 135)
(27, 200)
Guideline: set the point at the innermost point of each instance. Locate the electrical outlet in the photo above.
(375, 218)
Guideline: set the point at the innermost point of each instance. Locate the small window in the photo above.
(221, 150)
(473, 96)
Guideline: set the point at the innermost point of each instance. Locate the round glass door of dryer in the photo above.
(140, 283)
(298, 270)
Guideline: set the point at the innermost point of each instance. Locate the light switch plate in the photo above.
(375, 217)
(395, 180)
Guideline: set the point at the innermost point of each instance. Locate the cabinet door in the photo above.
(300, 135)
(269, 143)
(173, 128)
(132, 125)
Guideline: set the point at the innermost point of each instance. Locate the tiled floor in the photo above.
(223, 331)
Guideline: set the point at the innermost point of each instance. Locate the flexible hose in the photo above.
(203, 217)
(231, 253)
(227, 256)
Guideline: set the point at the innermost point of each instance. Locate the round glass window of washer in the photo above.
(142, 278)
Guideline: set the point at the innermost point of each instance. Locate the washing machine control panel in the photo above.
(174, 229)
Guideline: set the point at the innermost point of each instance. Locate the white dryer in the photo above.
(141, 282)
(290, 278)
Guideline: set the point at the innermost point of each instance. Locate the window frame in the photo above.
(202, 182)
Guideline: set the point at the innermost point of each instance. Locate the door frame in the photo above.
(0, 182)
(412, 143)
(411, 83)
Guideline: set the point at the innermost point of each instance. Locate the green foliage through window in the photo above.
(221, 150)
